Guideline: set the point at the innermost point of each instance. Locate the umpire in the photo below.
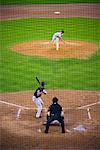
(55, 112)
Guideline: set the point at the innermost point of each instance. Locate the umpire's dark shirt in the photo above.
(55, 109)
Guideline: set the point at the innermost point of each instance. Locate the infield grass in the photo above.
(47, 1)
(18, 72)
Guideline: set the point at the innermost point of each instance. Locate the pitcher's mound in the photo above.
(44, 48)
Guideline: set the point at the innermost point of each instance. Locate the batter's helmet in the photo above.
(62, 31)
(42, 83)
(55, 99)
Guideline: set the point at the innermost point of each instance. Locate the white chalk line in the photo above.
(19, 106)
(24, 107)
(89, 105)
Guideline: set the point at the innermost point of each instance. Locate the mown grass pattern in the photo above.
(47, 1)
(18, 72)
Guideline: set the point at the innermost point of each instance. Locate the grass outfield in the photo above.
(47, 1)
(18, 72)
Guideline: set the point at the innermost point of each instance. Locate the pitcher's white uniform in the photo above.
(56, 37)
(38, 101)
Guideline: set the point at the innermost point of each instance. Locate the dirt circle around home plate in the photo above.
(44, 48)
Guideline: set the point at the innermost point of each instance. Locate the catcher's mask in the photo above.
(55, 99)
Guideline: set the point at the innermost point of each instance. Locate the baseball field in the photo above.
(72, 74)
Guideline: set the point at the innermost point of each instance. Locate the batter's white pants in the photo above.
(56, 41)
(38, 102)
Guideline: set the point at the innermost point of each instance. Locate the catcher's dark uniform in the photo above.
(55, 114)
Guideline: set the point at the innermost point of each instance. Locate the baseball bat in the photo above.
(38, 80)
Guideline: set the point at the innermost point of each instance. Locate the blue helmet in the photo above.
(62, 31)
(42, 83)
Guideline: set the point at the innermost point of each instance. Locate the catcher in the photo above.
(37, 99)
(56, 38)
(55, 112)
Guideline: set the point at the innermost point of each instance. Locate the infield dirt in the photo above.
(28, 132)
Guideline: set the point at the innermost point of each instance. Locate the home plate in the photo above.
(57, 12)
(80, 128)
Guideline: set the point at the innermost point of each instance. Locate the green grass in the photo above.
(18, 72)
(47, 1)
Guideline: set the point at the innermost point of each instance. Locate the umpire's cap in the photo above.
(55, 99)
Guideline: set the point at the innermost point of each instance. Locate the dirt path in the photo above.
(9, 12)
